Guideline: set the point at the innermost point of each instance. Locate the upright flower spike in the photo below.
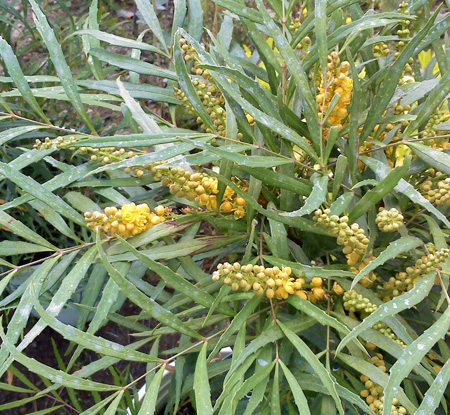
(336, 82)
(130, 220)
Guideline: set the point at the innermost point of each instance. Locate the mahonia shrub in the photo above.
(266, 179)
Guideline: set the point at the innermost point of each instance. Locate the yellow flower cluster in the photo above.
(336, 82)
(199, 187)
(130, 220)
(271, 282)
(373, 393)
(352, 237)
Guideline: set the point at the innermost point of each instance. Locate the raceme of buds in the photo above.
(130, 220)
(373, 393)
(336, 82)
(352, 237)
(199, 187)
(437, 191)
(208, 92)
(354, 302)
(102, 155)
(389, 220)
(271, 282)
(404, 281)
(59, 142)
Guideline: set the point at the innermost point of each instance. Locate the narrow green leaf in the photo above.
(23, 310)
(435, 158)
(394, 249)
(12, 133)
(320, 28)
(315, 363)
(118, 40)
(245, 12)
(319, 315)
(89, 341)
(39, 192)
(176, 281)
(253, 381)
(316, 198)
(130, 64)
(374, 195)
(146, 303)
(8, 248)
(434, 394)
(112, 408)
(299, 396)
(412, 356)
(297, 71)
(148, 406)
(195, 26)
(62, 69)
(13, 66)
(149, 16)
(393, 307)
(237, 322)
(147, 123)
(271, 178)
(201, 384)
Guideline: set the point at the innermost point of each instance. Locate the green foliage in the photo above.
(267, 176)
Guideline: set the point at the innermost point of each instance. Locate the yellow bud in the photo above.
(316, 282)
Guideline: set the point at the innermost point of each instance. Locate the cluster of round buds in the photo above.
(59, 142)
(130, 220)
(427, 264)
(207, 91)
(437, 191)
(404, 281)
(352, 237)
(295, 24)
(356, 303)
(336, 82)
(271, 282)
(368, 278)
(431, 130)
(389, 220)
(373, 393)
(201, 187)
(212, 100)
(381, 49)
(384, 329)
